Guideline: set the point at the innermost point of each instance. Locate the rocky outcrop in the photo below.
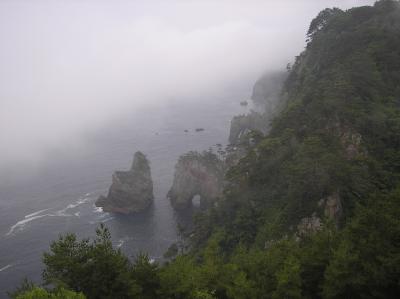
(241, 125)
(309, 225)
(351, 142)
(350, 139)
(197, 174)
(131, 191)
(332, 206)
(329, 207)
(267, 101)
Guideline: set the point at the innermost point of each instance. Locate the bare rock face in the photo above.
(267, 89)
(351, 142)
(241, 125)
(196, 174)
(267, 101)
(332, 207)
(309, 225)
(131, 191)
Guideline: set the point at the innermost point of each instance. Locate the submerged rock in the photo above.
(197, 174)
(131, 191)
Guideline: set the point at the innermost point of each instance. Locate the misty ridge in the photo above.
(69, 68)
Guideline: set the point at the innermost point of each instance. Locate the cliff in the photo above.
(197, 174)
(267, 102)
(267, 91)
(131, 191)
(331, 146)
(243, 124)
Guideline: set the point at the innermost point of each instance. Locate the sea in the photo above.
(59, 198)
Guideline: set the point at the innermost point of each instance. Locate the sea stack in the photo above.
(131, 191)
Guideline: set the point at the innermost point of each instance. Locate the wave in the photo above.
(97, 209)
(6, 267)
(120, 243)
(36, 213)
(102, 219)
(79, 202)
(20, 225)
(107, 219)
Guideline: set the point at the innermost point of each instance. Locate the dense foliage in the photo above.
(40, 293)
(313, 209)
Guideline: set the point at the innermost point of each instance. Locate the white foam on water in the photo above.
(20, 225)
(5, 267)
(36, 213)
(97, 209)
(107, 219)
(104, 215)
(120, 243)
(79, 202)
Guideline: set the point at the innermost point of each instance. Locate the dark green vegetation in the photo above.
(40, 293)
(312, 211)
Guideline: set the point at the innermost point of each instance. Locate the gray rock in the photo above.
(241, 125)
(131, 191)
(197, 174)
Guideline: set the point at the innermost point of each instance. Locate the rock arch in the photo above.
(196, 174)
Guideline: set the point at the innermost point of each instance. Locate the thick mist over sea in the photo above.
(69, 68)
(85, 84)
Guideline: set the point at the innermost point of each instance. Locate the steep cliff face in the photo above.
(333, 143)
(267, 91)
(267, 100)
(241, 125)
(196, 174)
(131, 191)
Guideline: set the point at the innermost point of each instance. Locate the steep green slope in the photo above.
(339, 135)
(332, 157)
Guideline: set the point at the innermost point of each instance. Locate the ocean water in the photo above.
(35, 210)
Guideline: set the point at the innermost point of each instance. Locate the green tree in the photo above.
(367, 261)
(94, 268)
(146, 276)
(40, 293)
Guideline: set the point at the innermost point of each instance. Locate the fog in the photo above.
(71, 67)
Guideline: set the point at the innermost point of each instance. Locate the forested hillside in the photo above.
(312, 211)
